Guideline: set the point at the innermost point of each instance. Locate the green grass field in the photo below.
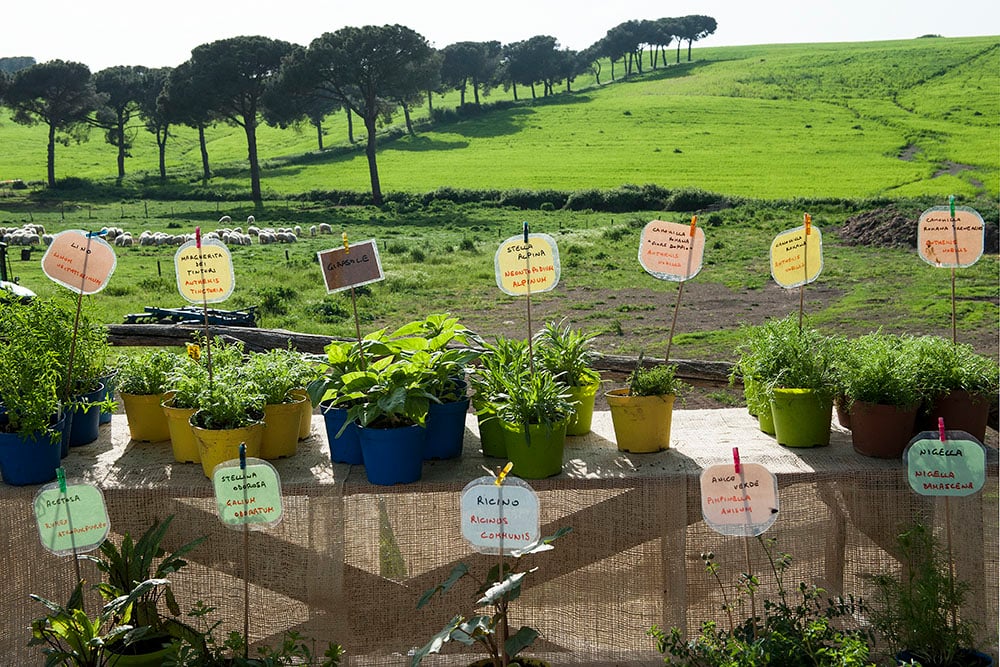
(785, 121)
(792, 129)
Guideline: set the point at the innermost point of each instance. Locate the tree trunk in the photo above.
(612, 69)
(515, 92)
(689, 49)
(251, 132)
(52, 156)
(678, 51)
(430, 103)
(319, 135)
(370, 119)
(161, 143)
(350, 125)
(120, 132)
(475, 90)
(533, 95)
(461, 94)
(205, 171)
(409, 121)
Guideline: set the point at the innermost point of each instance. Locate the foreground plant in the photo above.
(497, 591)
(799, 628)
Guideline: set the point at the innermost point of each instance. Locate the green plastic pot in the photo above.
(802, 417)
(766, 420)
(537, 454)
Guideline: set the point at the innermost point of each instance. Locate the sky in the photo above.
(103, 33)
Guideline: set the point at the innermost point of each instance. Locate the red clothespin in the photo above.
(941, 428)
(808, 224)
(197, 237)
(736, 459)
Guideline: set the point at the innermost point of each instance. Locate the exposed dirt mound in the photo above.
(890, 228)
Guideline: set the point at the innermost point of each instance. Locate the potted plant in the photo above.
(505, 357)
(641, 412)
(801, 627)
(534, 409)
(124, 568)
(442, 346)
(274, 374)
(131, 627)
(758, 366)
(30, 424)
(143, 378)
(490, 630)
(959, 385)
(917, 611)
(188, 381)
(799, 379)
(566, 353)
(389, 403)
(327, 391)
(878, 379)
(228, 414)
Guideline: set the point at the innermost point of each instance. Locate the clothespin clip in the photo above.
(736, 459)
(941, 428)
(243, 456)
(347, 248)
(503, 473)
(61, 475)
(808, 224)
(525, 231)
(694, 221)
(197, 237)
(951, 205)
(104, 231)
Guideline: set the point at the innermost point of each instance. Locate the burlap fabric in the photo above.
(350, 560)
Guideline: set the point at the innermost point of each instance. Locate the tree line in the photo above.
(371, 72)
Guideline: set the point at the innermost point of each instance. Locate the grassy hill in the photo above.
(897, 119)
(887, 129)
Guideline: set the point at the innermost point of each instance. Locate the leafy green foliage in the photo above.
(919, 608)
(147, 371)
(660, 380)
(796, 628)
(501, 586)
(567, 353)
(878, 368)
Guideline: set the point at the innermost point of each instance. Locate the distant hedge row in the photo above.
(617, 200)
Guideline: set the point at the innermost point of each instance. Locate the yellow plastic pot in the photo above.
(179, 428)
(217, 446)
(580, 420)
(642, 423)
(305, 418)
(281, 429)
(146, 419)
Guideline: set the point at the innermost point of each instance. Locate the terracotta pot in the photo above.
(961, 410)
(881, 431)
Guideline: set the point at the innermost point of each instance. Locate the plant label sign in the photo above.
(743, 503)
(249, 497)
(499, 518)
(527, 268)
(204, 274)
(668, 251)
(71, 521)
(797, 257)
(357, 264)
(955, 466)
(950, 242)
(79, 261)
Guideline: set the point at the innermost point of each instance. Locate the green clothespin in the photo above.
(61, 476)
(951, 205)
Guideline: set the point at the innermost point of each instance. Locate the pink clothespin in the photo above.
(197, 237)
(941, 427)
(736, 459)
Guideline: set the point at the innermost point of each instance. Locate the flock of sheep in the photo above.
(32, 234)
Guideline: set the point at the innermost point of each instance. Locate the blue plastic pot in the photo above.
(30, 461)
(393, 455)
(345, 448)
(445, 430)
(85, 420)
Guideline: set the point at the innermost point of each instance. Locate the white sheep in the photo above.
(225, 220)
(312, 230)
(324, 228)
(251, 220)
